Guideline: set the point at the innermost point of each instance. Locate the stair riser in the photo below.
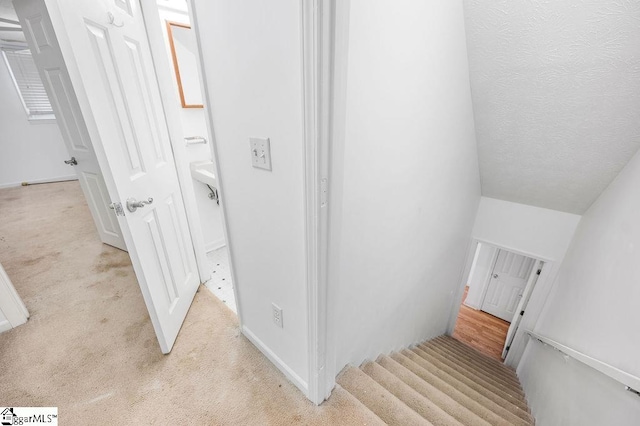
(493, 365)
(454, 408)
(367, 417)
(453, 360)
(377, 399)
(476, 394)
(414, 400)
(478, 356)
(467, 347)
(477, 382)
(466, 385)
(499, 368)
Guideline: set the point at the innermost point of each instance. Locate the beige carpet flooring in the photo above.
(89, 347)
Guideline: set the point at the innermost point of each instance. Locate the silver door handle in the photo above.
(495, 275)
(133, 205)
(71, 162)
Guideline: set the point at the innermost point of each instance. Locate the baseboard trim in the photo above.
(215, 245)
(475, 308)
(36, 181)
(275, 360)
(5, 326)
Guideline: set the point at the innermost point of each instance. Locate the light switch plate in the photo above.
(260, 153)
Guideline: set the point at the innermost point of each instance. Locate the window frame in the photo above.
(32, 118)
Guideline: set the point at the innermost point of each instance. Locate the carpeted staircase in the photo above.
(440, 382)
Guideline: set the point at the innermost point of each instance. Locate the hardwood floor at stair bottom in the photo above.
(481, 330)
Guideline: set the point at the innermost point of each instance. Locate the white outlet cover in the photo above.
(260, 153)
(277, 315)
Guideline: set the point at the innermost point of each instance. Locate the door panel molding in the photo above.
(507, 282)
(103, 54)
(106, 49)
(48, 57)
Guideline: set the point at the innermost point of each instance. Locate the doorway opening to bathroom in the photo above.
(175, 55)
(495, 297)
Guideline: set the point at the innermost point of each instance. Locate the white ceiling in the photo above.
(556, 96)
(9, 37)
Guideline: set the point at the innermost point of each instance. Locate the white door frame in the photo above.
(535, 306)
(317, 56)
(11, 306)
(536, 271)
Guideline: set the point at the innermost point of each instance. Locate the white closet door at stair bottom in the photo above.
(508, 281)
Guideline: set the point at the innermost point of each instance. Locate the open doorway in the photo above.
(51, 192)
(96, 65)
(497, 291)
(175, 55)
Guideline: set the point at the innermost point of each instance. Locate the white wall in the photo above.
(593, 309)
(479, 275)
(28, 152)
(405, 176)
(541, 232)
(193, 121)
(533, 231)
(251, 53)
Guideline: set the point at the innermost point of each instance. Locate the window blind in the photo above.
(27, 79)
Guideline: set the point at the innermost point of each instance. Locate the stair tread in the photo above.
(448, 404)
(473, 356)
(469, 397)
(484, 376)
(516, 400)
(366, 417)
(379, 400)
(413, 399)
(479, 355)
(441, 382)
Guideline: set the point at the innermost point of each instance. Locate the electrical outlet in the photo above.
(277, 315)
(260, 153)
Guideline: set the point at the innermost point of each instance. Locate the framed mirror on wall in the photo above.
(184, 49)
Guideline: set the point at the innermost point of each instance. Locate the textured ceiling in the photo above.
(556, 96)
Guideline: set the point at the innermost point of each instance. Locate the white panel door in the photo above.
(48, 58)
(508, 281)
(113, 75)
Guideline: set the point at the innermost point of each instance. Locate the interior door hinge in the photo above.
(324, 189)
(117, 207)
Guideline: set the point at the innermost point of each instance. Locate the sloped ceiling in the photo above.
(9, 38)
(556, 96)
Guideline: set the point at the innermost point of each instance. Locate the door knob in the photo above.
(133, 204)
(71, 162)
(495, 275)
